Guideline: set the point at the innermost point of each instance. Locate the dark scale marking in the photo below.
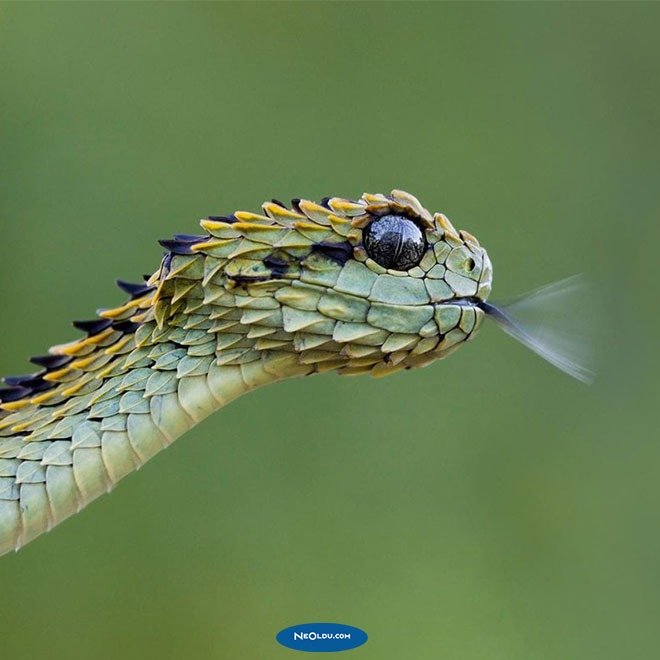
(240, 279)
(51, 362)
(167, 263)
(126, 327)
(33, 383)
(277, 266)
(280, 204)
(325, 202)
(27, 380)
(9, 394)
(134, 290)
(177, 247)
(273, 262)
(339, 252)
(42, 385)
(93, 327)
(295, 204)
(190, 238)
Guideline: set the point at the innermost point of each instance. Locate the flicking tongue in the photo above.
(553, 322)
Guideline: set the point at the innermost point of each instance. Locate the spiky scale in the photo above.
(9, 467)
(30, 472)
(58, 452)
(89, 473)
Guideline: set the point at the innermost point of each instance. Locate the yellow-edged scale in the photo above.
(372, 285)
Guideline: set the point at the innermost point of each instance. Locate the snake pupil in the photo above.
(394, 241)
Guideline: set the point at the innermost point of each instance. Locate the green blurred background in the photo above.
(487, 507)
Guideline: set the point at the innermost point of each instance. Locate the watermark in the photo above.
(319, 637)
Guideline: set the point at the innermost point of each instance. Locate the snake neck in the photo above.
(191, 339)
(102, 406)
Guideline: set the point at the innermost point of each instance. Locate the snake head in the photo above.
(429, 278)
(369, 285)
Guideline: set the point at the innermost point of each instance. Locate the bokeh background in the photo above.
(486, 507)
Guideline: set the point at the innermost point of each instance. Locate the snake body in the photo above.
(255, 299)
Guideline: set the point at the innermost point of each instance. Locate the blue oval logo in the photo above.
(321, 637)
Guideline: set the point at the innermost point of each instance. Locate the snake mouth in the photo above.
(469, 301)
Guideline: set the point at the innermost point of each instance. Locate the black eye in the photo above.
(394, 241)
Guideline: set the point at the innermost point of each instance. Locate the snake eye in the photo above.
(394, 241)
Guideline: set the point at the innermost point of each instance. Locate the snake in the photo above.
(356, 286)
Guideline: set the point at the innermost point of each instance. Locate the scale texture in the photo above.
(257, 298)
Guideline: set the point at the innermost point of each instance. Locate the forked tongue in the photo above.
(553, 322)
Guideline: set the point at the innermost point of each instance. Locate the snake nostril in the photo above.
(470, 264)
